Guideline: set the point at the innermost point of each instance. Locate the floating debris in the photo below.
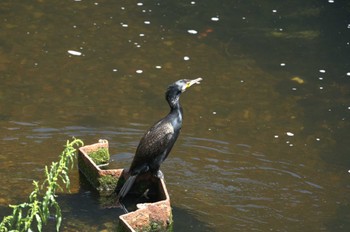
(290, 134)
(322, 71)
(139, 71)
(186, 58)
(193, 32)
(74, 53)
(298, 80)
(215, 19)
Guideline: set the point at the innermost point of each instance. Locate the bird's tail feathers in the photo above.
(126, 187)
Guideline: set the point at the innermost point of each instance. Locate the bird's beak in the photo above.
(189, 83)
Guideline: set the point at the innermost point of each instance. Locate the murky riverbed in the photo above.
(264, 141)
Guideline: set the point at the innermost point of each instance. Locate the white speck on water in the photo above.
(322, 71)
(348, 74)
(320, 78)
(193, 32)
(276, 136)
(147, 22)
(139, 4)
(158, 67)
(348, 107)
(290, 134)
(215, 19)
(274, 11)
(283, 64)
(243, 18)
(193, 3)
(291, 145)
(214, 112)
(294, 89)
(321, 87)
(139, 71)
(124, 25)
(186, 58)
(74, 53)
(115, 70)
(318, 139)
(122, 8)
(331, 1)
(142, 35)
(96, 3)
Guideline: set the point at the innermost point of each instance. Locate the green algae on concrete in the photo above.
(100, 156)
(107, 183)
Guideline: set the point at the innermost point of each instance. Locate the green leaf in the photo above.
(39, 222)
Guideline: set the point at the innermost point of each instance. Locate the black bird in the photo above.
(157, 142)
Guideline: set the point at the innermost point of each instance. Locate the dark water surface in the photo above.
(264, 145)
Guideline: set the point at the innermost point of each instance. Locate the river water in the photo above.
(263, 144)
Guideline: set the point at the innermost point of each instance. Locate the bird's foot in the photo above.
(121, 206)
(159, 175)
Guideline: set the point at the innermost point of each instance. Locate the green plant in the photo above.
(37, 210)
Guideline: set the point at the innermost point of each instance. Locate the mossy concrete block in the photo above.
(154, 216)
(105, 181)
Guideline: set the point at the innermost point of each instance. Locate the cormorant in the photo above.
(157, 142)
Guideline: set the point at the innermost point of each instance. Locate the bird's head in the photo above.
(182, 85)
(174, 90)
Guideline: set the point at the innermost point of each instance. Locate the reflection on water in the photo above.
(263, 145)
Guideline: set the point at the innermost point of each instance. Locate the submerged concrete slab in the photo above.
(149, 216)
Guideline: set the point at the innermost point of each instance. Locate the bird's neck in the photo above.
(176, 115)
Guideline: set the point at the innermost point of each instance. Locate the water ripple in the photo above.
(217, 146)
